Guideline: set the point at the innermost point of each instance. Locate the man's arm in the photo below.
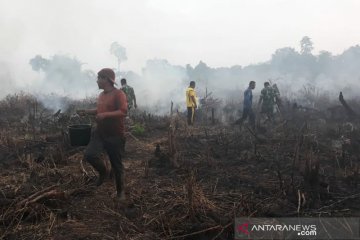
(192, 97)
(247, 96)
(194, 101)
(83, 112)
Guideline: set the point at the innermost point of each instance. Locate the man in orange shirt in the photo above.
(109, 134)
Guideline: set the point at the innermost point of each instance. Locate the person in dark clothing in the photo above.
(247, 109)
(109, 134)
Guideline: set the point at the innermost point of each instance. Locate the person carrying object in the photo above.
(109, 134)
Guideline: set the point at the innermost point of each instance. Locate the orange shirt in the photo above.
(110, 102)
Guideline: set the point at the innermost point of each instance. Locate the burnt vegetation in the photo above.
(185, 182)
(181, 182)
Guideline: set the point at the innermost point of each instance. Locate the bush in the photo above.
(138, 129)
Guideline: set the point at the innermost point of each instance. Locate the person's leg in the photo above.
(122, 147)
(260, 116)
(113, 147)
(252, 118)
(189, 114)
(93, 156)
(268, 110)
(245, 114)
(270, 117)
(192, 116)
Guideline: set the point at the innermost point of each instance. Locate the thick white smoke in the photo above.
(299, 76)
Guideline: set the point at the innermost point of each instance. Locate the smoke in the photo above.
(160, 83)
(324, 75)
(54, 101)
(300, 76)
(324, 72)
(61, 78)
(63, 75)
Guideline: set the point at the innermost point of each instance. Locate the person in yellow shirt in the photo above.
(191, 103)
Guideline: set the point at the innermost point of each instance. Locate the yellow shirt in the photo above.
(190, 92)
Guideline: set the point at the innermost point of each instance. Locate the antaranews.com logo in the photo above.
(301, 230)
(297, 228)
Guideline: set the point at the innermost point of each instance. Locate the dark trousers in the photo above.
(248, 112)
(190, 115)
(114, 146)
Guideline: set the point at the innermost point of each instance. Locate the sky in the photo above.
(220, 33)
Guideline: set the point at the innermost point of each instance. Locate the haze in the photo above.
(219, 33)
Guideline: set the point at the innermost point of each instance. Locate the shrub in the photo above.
(138, 129)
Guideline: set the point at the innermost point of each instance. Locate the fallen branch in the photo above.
(48, 192)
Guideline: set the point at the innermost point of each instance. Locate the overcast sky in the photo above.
(218, 32)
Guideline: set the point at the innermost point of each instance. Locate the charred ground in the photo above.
(181, 183)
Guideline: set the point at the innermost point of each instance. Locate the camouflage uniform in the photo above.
(130, 95)
(268, 95)
(277, 95)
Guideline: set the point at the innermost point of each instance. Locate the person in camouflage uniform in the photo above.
(277, 95)
(267, 100)
(130, 94)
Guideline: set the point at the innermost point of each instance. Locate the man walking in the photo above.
(109, 133)
(267, 101)
(130, 94)
(247, 110)
(191, 103)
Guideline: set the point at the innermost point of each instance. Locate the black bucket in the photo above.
(79, 134)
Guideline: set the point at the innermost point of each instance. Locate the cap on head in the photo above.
(107, 73)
